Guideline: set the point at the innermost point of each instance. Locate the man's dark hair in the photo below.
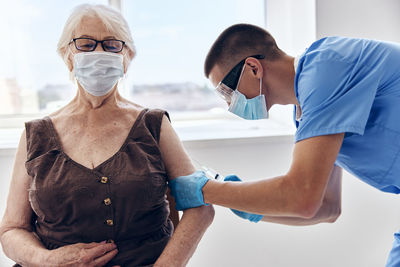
(238, 42)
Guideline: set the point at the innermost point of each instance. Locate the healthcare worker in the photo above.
(346, 97)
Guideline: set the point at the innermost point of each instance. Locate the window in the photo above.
(171, 38)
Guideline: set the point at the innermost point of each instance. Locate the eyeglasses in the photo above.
(230, 82)
(88, 44)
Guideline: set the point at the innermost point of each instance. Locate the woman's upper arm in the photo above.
(173, 213)
(175, 158)
(18, 211)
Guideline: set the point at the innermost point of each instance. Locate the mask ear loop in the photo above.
(121, 83)
(260, 85)
(125, 60)
(72, 74)
(240, 77)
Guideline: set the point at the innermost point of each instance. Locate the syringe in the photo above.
(209, 172)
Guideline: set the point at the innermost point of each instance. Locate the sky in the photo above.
(171, 37)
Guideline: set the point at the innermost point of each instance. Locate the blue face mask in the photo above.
(249, 109)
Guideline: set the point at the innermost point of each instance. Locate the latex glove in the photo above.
(187, 190)
(242, 214)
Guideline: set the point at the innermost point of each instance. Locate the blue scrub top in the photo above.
(352, 86)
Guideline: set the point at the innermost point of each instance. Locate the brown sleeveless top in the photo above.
(121, 200)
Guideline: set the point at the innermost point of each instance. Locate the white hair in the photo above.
(111, 18)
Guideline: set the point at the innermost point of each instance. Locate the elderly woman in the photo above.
(90, 180)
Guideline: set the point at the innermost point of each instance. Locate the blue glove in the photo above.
(187, 190)
(242, 214)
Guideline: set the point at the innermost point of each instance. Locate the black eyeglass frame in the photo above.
(229, 83)
(97, 42)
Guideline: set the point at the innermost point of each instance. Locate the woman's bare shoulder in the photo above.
(131, 107)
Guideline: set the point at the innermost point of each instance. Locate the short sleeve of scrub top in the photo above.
(334, 96)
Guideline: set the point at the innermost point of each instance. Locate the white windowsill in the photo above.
(220, 129)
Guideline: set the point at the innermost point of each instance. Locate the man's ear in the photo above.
(256, 67)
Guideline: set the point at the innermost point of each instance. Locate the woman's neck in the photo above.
(88, 102)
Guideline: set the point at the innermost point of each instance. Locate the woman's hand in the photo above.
(80, 254)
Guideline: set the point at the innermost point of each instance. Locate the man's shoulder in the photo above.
(346, 49)
(334, 48)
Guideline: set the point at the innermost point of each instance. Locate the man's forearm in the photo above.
(186, 237)
(293, 221)
(330, 209)
(328, 213)
(23, 247)
(271, 197)
(299, 193)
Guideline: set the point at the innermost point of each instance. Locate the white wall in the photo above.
(292, 23)
(375, 19)
(361, 237)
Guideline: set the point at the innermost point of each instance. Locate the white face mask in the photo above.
(98, 72)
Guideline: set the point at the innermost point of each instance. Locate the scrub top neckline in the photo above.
(59, 145)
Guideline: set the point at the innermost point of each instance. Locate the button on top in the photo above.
(107, 201)
(104, 180)
(110, 222)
